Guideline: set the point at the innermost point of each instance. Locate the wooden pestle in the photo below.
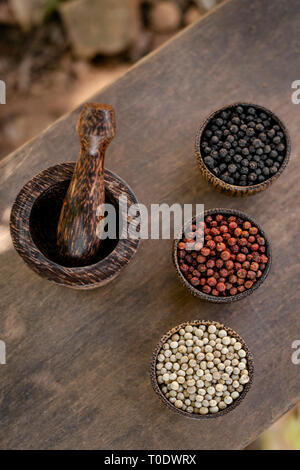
(77, 237)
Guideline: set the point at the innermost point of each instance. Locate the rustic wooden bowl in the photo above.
(156, 386)
(231, 189)
(33, 224)
(232, 298)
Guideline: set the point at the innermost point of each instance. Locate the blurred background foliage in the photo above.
(54, 54)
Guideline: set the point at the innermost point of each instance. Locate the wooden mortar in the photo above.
(55, 218)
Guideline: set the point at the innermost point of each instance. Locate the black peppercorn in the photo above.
(243, 146)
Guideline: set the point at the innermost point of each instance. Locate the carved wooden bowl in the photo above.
(231, 189)
(235, 403)
(228, 299)
(33, 225)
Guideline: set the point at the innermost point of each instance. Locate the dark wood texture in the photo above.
(33, 225)
(231, 189)
(77, 372)
(83, 207)
(157, 388)
(231, 298)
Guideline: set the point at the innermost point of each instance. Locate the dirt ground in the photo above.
(56, 93)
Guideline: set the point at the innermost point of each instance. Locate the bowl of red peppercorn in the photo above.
(242, 148)
(232, 260)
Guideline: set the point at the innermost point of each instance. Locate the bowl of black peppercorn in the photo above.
(242, 148)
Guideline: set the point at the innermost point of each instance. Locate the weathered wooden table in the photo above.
(77, 373)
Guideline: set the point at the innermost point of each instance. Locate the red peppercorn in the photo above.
(235, 248)
(229, 264)
(210, 263)
(211, 244)
(195, 281)
(253, 230)
(260, 240)
(220, 246)
(248, 284)
(205, 251)
(231, 260)
(242, 242)
(184, 268)
(254, 266)
(211, 281)
(251, 275)
(206, 289)
(242, 273)
(263, 259)
(237, 232)
(214, 232)
(225, 255)
(221, 287)
(224, 272)
(246, 264)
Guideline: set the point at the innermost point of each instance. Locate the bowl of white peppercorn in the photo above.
(201, 369)
(242, 148)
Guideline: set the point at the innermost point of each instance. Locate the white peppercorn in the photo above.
(202, 369)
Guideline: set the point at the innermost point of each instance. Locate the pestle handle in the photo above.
(77, 226)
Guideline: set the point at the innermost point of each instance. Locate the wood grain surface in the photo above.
(77, 373)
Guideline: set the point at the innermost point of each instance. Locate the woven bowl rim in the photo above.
(241, 295)
(231, 332)
(233, 187)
